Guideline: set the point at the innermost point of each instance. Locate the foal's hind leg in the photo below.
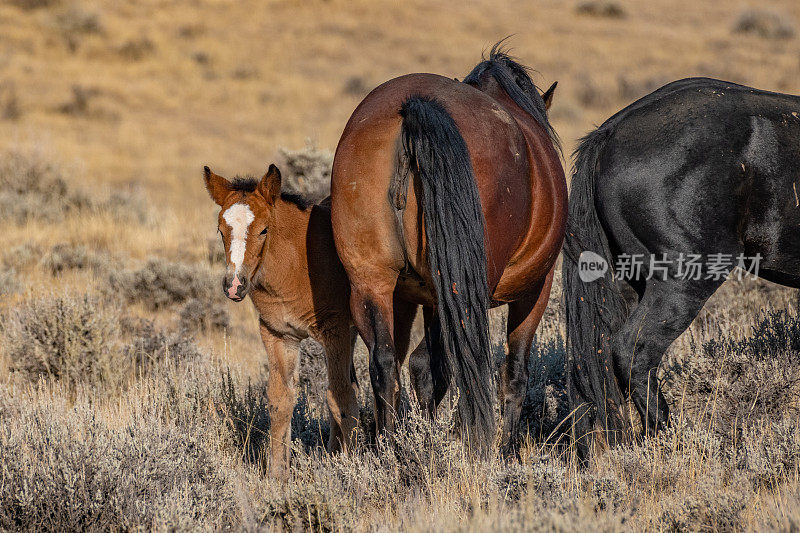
(523, 319)
(342, 388)
(665, 310)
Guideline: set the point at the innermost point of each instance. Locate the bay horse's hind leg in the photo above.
(426, 366)
(373, 315)
(665, 310)
(523, 319)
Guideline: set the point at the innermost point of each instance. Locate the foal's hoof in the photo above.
(278, 471)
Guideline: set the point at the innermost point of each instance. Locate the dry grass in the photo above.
(182, 448)
(132, 393)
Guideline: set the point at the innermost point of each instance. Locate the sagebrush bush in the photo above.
(216, 252)
(65, 470)
(421, 451)
(710, 507)
(313, 375)
(601, 8)
(21, 256)
(307, 171)
(74, 339)
(729, 382)
(546, 404)
(84, 341)
(76, 20)
(160, 283)
(33, 4)
(34, 186)
(768, 452)
(764, 23)
(150, 346)
(126, 205)
(137, 49)
(356, 86)
(203, 315)
(245, 413)
(63, 257)
(9, 101)
(9, 282)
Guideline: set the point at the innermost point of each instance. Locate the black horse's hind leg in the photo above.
(665, 310)
(426, 366)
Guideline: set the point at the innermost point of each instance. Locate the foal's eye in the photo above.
(264, 231)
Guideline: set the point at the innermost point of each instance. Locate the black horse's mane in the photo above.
(515, 80)
(248, 184)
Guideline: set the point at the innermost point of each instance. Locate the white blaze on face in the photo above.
(238, 217)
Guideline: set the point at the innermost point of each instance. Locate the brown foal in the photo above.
(280, 252)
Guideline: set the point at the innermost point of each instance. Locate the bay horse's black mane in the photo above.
(249, 183)
(515, 80)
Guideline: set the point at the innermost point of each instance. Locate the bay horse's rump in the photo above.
(372, 137)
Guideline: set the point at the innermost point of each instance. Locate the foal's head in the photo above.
(244, 220)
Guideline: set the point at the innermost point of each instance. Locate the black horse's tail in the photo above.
(454, 230)
(594, 308)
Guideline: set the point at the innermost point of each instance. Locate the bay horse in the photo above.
(279, 250)
(450, 195)
(699, 167)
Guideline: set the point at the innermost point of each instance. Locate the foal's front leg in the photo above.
(282, 361)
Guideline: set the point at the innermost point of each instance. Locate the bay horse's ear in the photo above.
(547, 96)
(270, 185)
(217, 186)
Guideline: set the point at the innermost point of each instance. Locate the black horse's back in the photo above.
(701, 167)
(668, 100)
(701, 164)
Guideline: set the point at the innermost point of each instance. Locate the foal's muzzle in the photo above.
(236, 287)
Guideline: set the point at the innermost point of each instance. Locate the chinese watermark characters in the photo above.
(716, 266)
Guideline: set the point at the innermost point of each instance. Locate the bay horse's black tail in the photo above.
(455, 238)
(593, 309)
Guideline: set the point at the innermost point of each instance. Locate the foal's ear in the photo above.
(547, 96)
(217, 186)
(270, 185)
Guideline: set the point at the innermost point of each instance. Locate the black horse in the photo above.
(699, 176)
